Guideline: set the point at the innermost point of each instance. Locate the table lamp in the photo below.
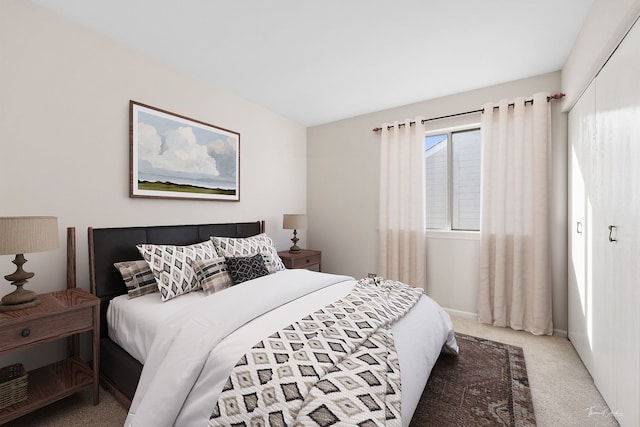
(20, 235)
(294, 222)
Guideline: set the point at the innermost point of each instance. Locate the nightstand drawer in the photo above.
(303, 259)
(306, 261)
(48, 328)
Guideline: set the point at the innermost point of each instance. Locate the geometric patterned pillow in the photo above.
(212, 274)
(246, 268)
(249, 246)
(137, 277)
(172, 266)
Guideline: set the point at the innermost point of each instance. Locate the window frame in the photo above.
(449, 232)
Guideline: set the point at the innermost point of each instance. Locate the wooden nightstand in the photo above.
(304, 259)
(60, 315)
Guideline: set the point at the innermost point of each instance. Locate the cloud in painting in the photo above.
(176, 151)
(224, 151)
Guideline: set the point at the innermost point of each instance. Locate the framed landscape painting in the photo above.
(173, 156)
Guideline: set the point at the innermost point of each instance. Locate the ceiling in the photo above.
(320, 61)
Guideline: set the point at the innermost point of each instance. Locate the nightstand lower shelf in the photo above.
(49, 384)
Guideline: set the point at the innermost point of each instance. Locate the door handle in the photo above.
(612, 228)
(579, 227)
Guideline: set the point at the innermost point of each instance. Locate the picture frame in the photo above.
(176, 157)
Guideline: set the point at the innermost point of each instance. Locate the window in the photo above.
(452, 169)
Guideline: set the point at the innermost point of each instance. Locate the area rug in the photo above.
(485, 385)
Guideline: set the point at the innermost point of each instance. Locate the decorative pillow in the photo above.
(248, 246)
(212, 274)
(172, 266)
(137, 277)
(246, 268)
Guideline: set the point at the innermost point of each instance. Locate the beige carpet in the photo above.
(562, 389)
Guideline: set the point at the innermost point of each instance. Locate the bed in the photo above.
(180, 385)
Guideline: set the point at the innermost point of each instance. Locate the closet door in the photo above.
(582, 131)
(600, 189)
(618, 110)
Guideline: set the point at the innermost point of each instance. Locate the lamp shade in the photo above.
(294, 221)
(28, 234)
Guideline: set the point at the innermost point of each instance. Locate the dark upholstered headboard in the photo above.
(110, 245)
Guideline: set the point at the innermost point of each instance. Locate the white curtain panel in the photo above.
(515, 279)
(401, 239)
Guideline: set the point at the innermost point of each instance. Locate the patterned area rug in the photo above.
(485, 385)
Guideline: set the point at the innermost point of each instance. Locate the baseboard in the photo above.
(459, 313)
(560, 333)
(474, 316)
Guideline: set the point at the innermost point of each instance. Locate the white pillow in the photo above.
(262, 244)
(172, 266)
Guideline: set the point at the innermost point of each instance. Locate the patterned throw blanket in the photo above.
(337, 366)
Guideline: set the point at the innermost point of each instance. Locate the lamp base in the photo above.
(19, 299)
(15, 307)
(294, 249)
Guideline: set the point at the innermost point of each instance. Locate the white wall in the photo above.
(343, 162)
(64, 144)
(605, 26)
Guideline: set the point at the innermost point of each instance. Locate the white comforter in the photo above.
(196, 348)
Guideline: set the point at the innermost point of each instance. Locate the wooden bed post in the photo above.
(71, 257)
(92, 275)
(73, 342)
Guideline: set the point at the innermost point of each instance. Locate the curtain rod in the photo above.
(558, 95)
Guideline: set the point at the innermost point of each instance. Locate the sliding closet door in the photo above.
(600, 189)
(582, 128)
(618, 109)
